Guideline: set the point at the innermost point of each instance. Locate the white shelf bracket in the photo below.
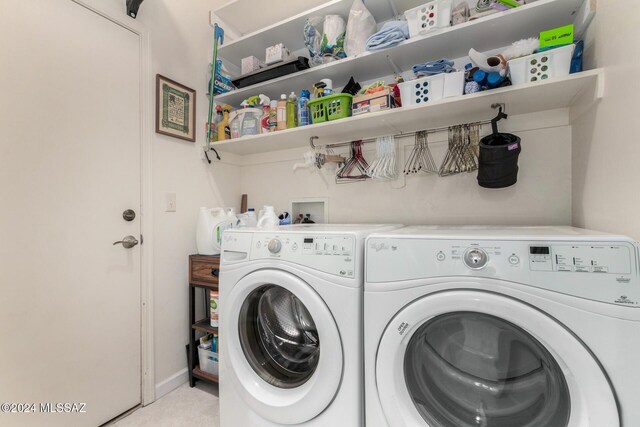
(600, 85)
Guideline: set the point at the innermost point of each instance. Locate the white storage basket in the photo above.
(429, 17)
(541, 66)
(433, 88)
(208, 359)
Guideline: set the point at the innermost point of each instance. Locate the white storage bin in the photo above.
(541, 66)
(429, 17)
(433, 88)
(208, 359)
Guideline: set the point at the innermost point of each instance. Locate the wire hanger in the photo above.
(356, 164)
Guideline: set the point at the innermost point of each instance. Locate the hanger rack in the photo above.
(501, 115)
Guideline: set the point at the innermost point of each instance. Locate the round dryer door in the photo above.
(469, 358)
(286, 358)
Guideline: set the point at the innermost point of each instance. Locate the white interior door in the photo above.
(69, 167)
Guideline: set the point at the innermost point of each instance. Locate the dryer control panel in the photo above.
(333, 254)
(605, 271)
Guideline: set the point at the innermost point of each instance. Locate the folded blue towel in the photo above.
(432, 68)
(391, 34)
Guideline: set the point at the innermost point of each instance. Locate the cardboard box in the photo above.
(377, 101)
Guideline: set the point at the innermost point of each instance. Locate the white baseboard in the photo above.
(172, 383)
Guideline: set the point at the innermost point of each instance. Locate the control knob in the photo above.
(275, 246)
(476, 258)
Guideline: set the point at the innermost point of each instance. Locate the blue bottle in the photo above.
(303, 108)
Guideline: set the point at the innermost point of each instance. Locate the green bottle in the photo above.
(292, 114)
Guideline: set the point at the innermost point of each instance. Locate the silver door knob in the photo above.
(128, 242)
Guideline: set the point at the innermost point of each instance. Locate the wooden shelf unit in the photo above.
(203, 274)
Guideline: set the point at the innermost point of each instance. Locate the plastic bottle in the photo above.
(211, 224)
(224, 132)
(273, 116)
(303, 108)
(269, 219)
(292, 116)
(252, 219)
(266, 113)
(249, 119)
(216, 122)
(282, 113)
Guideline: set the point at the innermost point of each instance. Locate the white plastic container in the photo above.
(541, 66)
(268, 218)
(246, 122)
(211, 224)
(433, 88)
(208, 359)
(429, 17)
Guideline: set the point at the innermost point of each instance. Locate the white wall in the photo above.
(541, 196)
(181, 45)
(605, 139)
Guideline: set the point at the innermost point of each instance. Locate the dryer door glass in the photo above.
(470, 369)
(278, 336)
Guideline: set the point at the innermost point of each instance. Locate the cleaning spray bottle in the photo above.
(273, 116)
(282, 113)
(303, 108)
(224, 132)
(216, 122)
(266, 113)
(292, 116)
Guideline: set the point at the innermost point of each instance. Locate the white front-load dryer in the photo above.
(291, 326)
(501, 327)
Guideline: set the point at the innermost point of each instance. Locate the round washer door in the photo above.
(471, 358)
(285, 355)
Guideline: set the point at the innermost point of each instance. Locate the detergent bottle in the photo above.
(266, 114)
(211, 224)
(303, 108)
(282, 113)
(224, 131)
(268, 219)
(292, 116)
(273, 116)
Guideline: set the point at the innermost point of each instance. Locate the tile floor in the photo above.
(184, 406)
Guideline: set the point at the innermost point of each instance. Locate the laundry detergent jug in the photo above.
(211, 223)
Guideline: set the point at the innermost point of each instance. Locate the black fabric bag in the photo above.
(498, 160)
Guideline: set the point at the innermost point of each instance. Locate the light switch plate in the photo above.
(170, 202)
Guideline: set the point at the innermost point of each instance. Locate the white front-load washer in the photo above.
(501, 327)
(291, 326)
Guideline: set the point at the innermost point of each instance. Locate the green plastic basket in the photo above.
(332, 107)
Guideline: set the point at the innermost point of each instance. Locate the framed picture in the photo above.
(175, 109)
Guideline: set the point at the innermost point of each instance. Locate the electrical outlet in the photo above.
(170, 205)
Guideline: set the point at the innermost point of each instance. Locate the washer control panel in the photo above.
(592, 258)
(334, 254)
(602, 271)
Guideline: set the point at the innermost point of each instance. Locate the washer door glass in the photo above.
(278, 337)
(471, 369)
